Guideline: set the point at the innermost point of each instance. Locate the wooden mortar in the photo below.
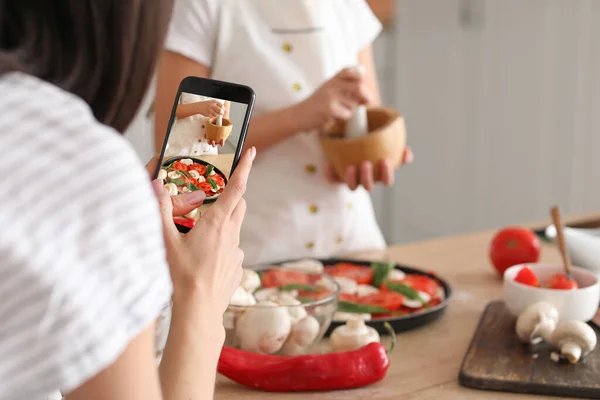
(218, 132)
(386, 140)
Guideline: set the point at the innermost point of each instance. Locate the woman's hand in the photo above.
(365, 176)
(335, 99)
(206, 263)
(210, 108)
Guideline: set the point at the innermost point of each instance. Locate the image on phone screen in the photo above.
(205, 137)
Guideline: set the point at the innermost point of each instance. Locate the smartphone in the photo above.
(204, 140)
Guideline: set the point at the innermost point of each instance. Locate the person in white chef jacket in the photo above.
(300, 57)
(187, 134)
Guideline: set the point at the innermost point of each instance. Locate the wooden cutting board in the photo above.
(497, 361)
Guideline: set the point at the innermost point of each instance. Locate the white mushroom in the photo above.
(365, 290)
(352, 336)
(174, 174)
(574, 339)
(307, 265)
(414, 303)
(162, 174)
(187, 161)
(344, 316)
(302, 335)
(396, 275)
(185, 189)
(250, 280)
(171, 188)
(295, 309)
(537, 322)
(242, 298)
(201, 179)
(263, 328)
(268, 294)
(195, 214)
(194, 174)
(347, 285)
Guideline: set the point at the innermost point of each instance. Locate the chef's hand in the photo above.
(335, 99)
(182, 203)
(210, 108)
(364, 174)
(206, 263)
(214, 142)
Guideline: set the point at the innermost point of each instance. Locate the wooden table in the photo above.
(426, 361)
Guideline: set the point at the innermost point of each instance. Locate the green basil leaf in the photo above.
(298, 286)
(178, 181)
(209, 169)
(350, 307)
(213, 184)
(381, 271)
(404, 290)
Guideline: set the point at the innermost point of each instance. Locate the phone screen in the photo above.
(204, 141)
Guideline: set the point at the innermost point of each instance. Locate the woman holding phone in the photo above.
(88, 256)
(299, 57)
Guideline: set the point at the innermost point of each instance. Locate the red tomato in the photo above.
(420, 283)
(560, 282)
(198, 167)
(178, 165)
(388, 300)
(359, 273)
(512, 246)
(188, 222)
(218, 180)
(348, 297)
(280, 277)
(527, 277)
(435, 302)
(206, 188)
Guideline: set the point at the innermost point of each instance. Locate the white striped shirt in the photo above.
(82, 261)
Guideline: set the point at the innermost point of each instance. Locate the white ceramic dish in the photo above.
(583, 246)
(579, 304)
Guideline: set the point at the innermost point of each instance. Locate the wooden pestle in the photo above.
(358, 125)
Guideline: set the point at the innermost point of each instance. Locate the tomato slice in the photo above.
(527, 277)
(218, 180)
(358, 273)
(206, 188)
(198, 167)
(178, 165)
(280, 277)
(389, 300)
(560, 282)
(348, 297)
(420, 283)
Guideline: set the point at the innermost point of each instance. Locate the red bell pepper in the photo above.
(310, 372)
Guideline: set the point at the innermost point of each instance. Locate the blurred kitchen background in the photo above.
(502, 106)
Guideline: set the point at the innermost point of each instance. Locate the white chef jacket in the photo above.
(187, 134)
(285, 50)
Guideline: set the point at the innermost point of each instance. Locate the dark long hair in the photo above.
(104, 51)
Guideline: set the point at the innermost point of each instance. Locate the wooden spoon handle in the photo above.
(561, 238)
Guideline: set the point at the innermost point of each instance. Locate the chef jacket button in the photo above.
(313, 209)
(310, 245)
(339, 240)
(287, 47)
(297, 87)
(203, 126)
(311, 169)
(349, 205)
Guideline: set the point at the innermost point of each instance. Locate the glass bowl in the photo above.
(287, 315)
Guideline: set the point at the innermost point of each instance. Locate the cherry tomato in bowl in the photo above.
(512, 246)
(560, 282)
(527, 277)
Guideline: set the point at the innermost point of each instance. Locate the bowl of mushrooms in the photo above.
(279, 310)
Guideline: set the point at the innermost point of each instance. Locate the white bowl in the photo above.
(579, 304)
